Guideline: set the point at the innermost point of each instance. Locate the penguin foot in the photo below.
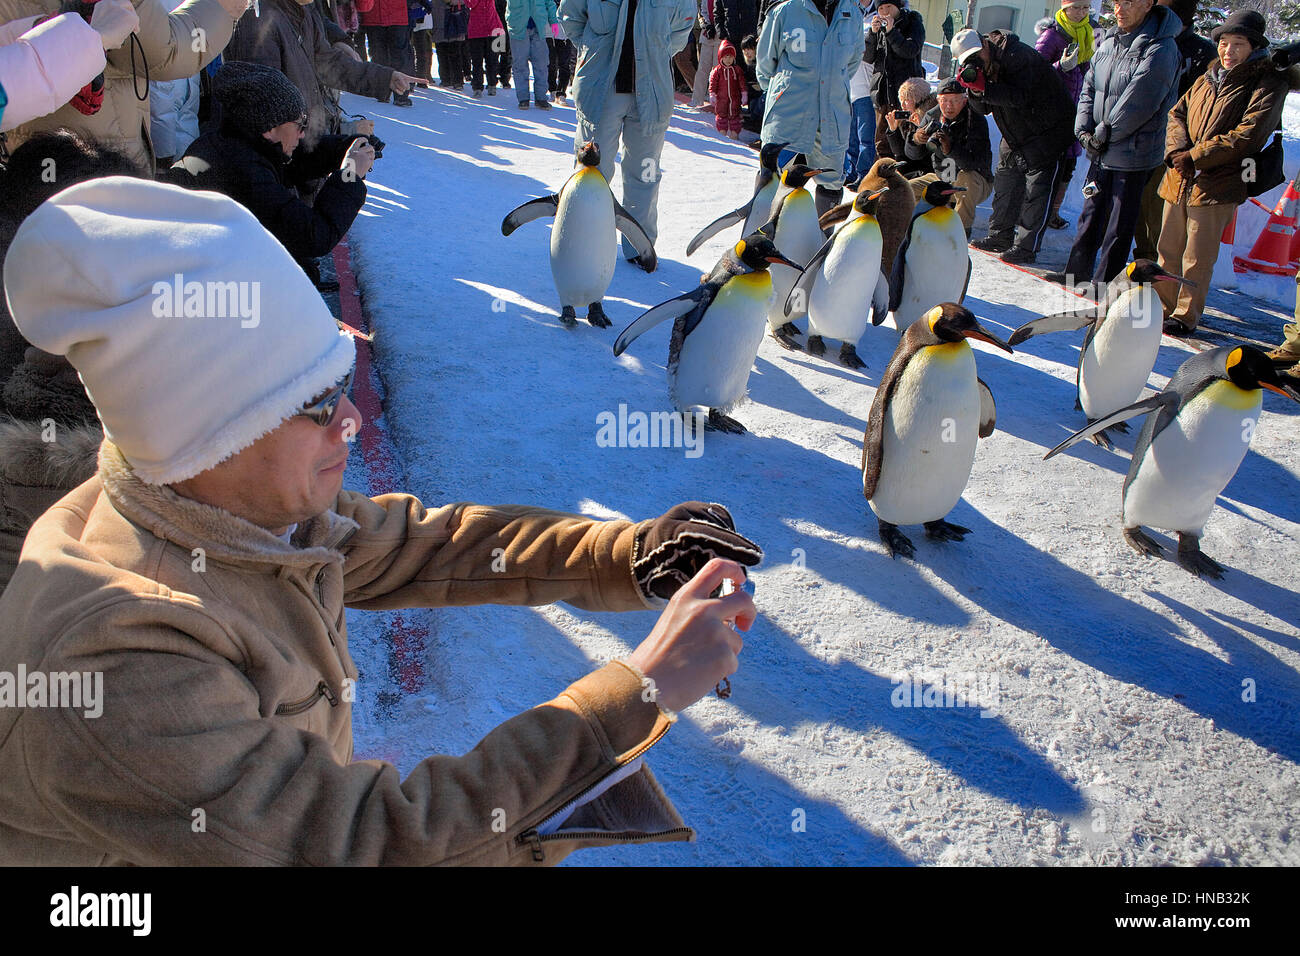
(786, 342)
(1121, 427)
(1103, 439)
(895, 541)
(569, 316)
(944, 531)
(718, 422)
(815, 345)
(1142, 543)
(849, 356)
(1191, 557)
(596, 316)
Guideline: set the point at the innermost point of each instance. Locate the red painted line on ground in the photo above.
(383, 468)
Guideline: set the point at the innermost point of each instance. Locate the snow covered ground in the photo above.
(1133, 713)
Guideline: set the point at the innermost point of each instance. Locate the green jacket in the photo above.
(519, 12)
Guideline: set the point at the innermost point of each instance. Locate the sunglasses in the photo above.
(325, 409)
(302, 125)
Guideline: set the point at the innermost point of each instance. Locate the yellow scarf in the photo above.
(1080, 33)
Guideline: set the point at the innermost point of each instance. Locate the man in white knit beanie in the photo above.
(191, 594)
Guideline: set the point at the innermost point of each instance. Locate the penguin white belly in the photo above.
(798, 237)
(840, 303)
(1118, 360)
(935, 266)
(583, 243)
(714, 362)
(1192, 460)
(760, 210)
(930, 431)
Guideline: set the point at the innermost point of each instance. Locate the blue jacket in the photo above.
(519, 12)
(1130, 88)
(661, 29)
(805, 66)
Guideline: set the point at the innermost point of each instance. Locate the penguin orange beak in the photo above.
(953, 189)
(778, 258)
(878, 193)
(978, 331)
(1170, 277)
(1286, 391)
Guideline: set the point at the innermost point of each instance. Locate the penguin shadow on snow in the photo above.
(1260, 593)
(1289, 641)
(772, 385)
(711, 788)
(1035, 592)
(1272, 720)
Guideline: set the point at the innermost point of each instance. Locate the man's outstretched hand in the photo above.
(671, 550)
(693, 645)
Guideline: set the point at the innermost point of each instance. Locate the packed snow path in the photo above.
(1131, 713)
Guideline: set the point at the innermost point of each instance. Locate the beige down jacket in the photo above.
(174, 45)
(224, 663)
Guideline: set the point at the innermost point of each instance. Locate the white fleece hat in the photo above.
(964, 43)
(193, 329)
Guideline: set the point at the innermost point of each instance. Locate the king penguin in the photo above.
(894, 213)
(793, 227)
(835, 289)
(583, 243)
(759, 208)
(933, 264)
(1190, 448)
(719, 325)
(1120, 347)
(921, 433)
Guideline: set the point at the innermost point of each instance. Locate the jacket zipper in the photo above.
(297, 707)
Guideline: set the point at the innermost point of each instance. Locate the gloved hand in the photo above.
(1070, 58)
(1183, 162)
(1094, 146)
(671, 550)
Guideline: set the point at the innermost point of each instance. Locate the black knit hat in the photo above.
(255, 98)
(950, 85)
(1248, 23)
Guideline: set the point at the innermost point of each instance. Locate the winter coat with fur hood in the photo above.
(169, 42)
(1224, 118)
(225, 676)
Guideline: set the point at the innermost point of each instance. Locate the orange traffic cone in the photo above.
(1229, 236)
(1271, 253)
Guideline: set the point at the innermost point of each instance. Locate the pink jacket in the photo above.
(42, 67)
(483, 19)
(383, 13)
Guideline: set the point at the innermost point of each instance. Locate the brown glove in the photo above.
(669, 551)
(1182, 162)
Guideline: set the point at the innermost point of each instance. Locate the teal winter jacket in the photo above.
(805, 66)
(519, 12)
(661, 29)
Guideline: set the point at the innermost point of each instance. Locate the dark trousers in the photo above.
(1101, 247)
(452, 68)
(560, 72)
(1151, 218)
(423, 42)
(1022, 198)
(484, 60)
(391, 46)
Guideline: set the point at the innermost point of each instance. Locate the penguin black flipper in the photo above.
(988, 411)
(966, 285)
(797, 309)
(672, 309)
(836, 215)
(896, 272)
(1057, 322)
(538, 208)
(626, 223)
(874, 441)
(1165, 400)
(719, 224)
(880, 301)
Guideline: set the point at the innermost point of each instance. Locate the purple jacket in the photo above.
(1051, 43)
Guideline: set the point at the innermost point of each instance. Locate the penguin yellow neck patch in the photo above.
(1230, 395)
